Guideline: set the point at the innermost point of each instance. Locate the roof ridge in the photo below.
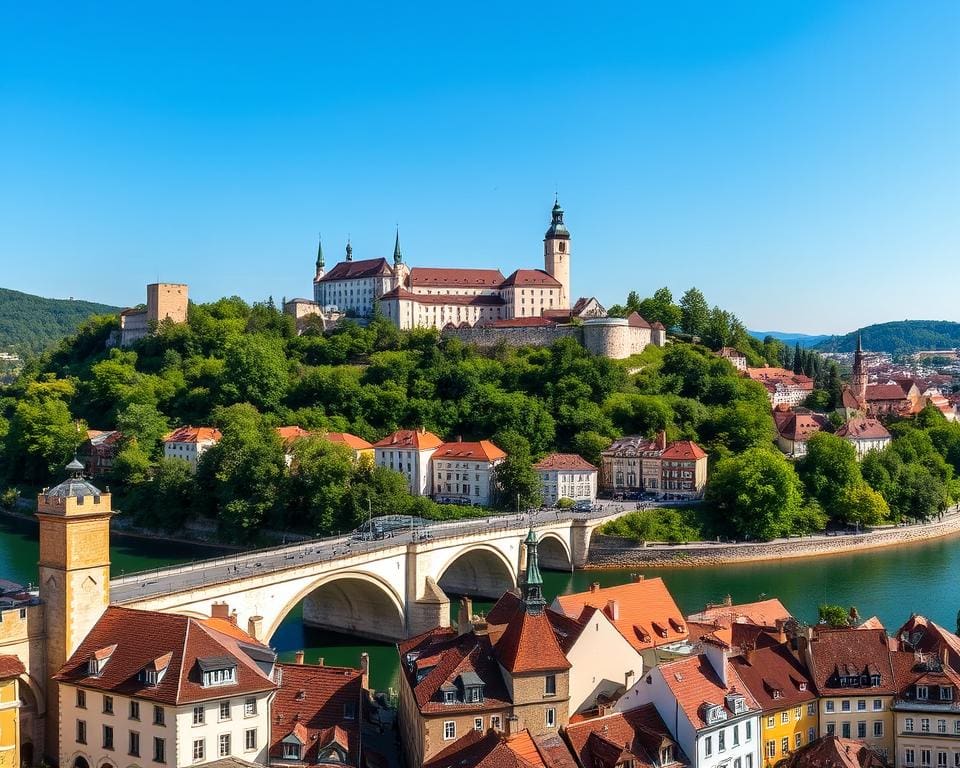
(183, 658)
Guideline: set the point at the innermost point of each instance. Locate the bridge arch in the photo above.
(348, 601)
(479, 570)
(554, 552)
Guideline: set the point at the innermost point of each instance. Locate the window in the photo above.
(861, 705)
(551, 717)
(225, 710)
(941, 760)
(478, 724)
(708, 746)
(291, 751)
(226, 676)
(924, 757)
(784, 717)
(199, 750)
(250, 739)
(250, 707)
(862, 729)
(134, 710)
(134, 745)
(831, 729)
(878, 728)
(845, 730)
(550, 685)
(798, 740)
(771, 749)
(909, 756)
(941, 726)
(495, 722)
(350, 710)
(108, 737)
(158, 718)
(925, 724)
(771, 721)
(449, 730)
(908, 724)
(750, 760)
(81, 699)
(748, 727)
(946, 693)
(877, 705)
(921, 692)
(108, 705)
(737, 763)
(721, 741)
(785, 744)
(956, 727)
(223, 745)
(81, 731)
(449, 697)
(828, 706)
(845, 705)
(798, 713)
(159, 750)
(736, 735)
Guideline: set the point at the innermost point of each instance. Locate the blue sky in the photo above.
(799, 162)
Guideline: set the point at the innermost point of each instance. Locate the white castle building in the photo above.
(433, 297)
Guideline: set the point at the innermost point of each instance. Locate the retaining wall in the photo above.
(515, 337)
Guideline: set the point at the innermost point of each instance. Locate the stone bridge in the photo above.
(388, 589)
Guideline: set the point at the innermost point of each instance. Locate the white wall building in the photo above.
(190, 443)
(465, 471)
(566, 476)
(408, 451)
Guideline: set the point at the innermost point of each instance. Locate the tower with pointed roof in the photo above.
(860, 375)
(400, 269)
(74, 572)
(532, 580)
(556, 253)
(319, 272)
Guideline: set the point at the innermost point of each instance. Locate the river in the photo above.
(889, 583)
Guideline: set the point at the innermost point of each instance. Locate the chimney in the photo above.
(636, 577)
(320, 662)
(232, 618)
(298, 657)
(781, 631)
(255, 627)
(220, 610)
(365, 671)
(513, 725)
(748, 654)
(662, 440)
(595, 586)
(612, 610)
(728, 600)
(465, 616)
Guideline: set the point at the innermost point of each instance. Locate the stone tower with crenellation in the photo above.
(556, 254)
(167, 301)
(74, 574)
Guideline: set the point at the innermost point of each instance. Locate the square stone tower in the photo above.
(556, 254)
(74, 574)
(167, 300)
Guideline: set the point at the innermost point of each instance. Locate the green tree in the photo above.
(256, 371)
(828, 470)
(694, 312)
(41, 439)
(144, 423)
(516, 482)
(859, 504)
(660, 308)
(834, 615)
(318, 485)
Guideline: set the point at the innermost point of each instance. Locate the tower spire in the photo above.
(532, 580)
(349, 250)
(319, 252)
(397, 256)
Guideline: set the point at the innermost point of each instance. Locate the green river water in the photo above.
(889, 583)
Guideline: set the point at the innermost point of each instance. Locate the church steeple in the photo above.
(556, 254)
(349, 250)
(397, 256)
(319, 253)
(532, 580)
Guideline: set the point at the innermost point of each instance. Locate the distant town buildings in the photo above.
(795, 428)
(99, 451)
(783, 387)
(736, 358)
(865, 435)
(165, 301)
(637, 464)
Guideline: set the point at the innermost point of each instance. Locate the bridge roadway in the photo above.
(388, 588)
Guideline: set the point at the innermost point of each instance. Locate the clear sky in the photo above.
(798, 161)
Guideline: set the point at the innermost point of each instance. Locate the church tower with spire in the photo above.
(400, 270)
(320, 271)
(860, 376)
(556, 253)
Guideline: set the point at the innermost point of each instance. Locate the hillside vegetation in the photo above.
(30, 323)
(898, 338)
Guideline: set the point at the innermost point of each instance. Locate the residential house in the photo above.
(316, 714)
(163, 688)
(289, 436)
(10, 670)
(706, 706)
(640, 465)
(452, 683)
(361, 448)
(783, 387)
(736, 358)
(834, 752)
(926, 711)
(100, 451)
(781, 686)
(865, 435)
(631, 739)
(918, 633)
(683, 470)
(495, 749)
(795, 429)
(769, 613)
(190, 443)
(643, 612)
(408, 451)
(566, 476)
(464, 471)
(855, 681)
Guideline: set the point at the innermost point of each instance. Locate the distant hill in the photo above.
(805, 339)
(902, 337)
(31, 323)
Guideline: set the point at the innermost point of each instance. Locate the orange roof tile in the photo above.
(417, 439)
(190, 434)
(762, 613)
(857, 651)
(694, 683)
(683, 449)
(774, 676)
(636, 735)
(532, 277)
(11, 666)
(647, 615)
(569, 461)
(482, 450)
(455, 278)
(528, 644)
(351, 441)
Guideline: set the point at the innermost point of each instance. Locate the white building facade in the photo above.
(190, 443)
(566, 476)
(408, 451)
(463, 472)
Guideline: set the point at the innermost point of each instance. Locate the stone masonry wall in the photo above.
(615, 552)
(515, 337)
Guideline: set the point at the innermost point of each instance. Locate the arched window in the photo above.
(81, 762)
(562, 247)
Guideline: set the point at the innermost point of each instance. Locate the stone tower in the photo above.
(167, 301)
(556, 254)
(74, 573)
(860, 376)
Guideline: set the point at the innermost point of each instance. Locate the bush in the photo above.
(673, 525)
(565, 503)
(8, 499)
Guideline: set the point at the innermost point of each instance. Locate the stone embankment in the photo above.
(615, 552)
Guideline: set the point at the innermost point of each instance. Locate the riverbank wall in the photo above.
(616, 552)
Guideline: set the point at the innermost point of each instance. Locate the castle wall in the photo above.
(167, 300)
(515, 337)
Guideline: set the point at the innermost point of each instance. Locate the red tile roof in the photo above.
(455, 278)
(193, 435)
(862, 428)
(527, 277)
(693, 683)
(144, 637)
(478, 750)
(568, 461)
(648, 617)
(762, 613)
(921, 634)
(835, 752)
(637, 735)
(799, 427)
(877, 392)
(289, 435)
(10, 666)
(351, 441)
(355, 270)
(683, 450)
(482, 450)
(528, 644)
(634, 320)
(850, 652)
(774, 677)
(417, 439)
(314, 700)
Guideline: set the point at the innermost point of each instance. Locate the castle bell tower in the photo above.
(556, 254)
(74, 573)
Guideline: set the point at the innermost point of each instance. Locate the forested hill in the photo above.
(900, 337)
(32, 323)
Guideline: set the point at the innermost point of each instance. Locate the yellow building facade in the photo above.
(10, 670)
(783, 731)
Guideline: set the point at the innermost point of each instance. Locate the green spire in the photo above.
(532, 580)
(397, 258)
(319, 253)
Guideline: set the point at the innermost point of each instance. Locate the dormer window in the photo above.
(98, 660)
(874, 680)
(714, 713)
(737, 704)
(291, 751)
(803, 686)
(666, 754)
(217, 671)
(946, 693)
(922, 692)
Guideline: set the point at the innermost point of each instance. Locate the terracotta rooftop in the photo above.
(921, 634)
(438, 299)
(643, 611)
(354, 270)
(693, 683)
(683, 450)
(635, 321)
(800, 427)
(565, 461)
(835, 752)
(193, 435)
(10, 666)
(637, 445)
(526, 642)
(878, 392)
(839, 653)
(862, 428)
(762, 613)
(142, 638)
(528, 277)
(441, 277)
(773, 376)
(609, 741)
(288, 435)
(478, 750)
(323, 703)
(416, 439)
(482, 450)
(351, 441)
(774, 677)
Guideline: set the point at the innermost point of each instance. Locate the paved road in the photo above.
(243, 564)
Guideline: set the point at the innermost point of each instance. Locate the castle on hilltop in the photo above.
(481, 306)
